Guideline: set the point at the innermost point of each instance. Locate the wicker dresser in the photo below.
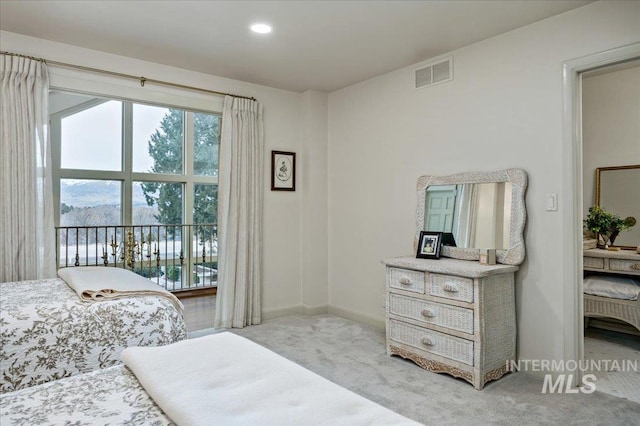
(452, 316)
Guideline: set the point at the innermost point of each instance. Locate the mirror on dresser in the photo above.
(617, 191)
(482, 210)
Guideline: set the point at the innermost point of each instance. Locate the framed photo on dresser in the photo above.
(429, 245)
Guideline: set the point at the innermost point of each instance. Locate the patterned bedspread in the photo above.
(112, 396)
(47, 333)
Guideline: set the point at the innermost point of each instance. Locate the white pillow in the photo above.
(613, 287)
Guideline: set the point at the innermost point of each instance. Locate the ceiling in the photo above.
(315, 45)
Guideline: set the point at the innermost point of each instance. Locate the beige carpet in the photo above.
(611, 345)
(353, 355)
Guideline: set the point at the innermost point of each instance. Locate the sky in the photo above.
(91, 139)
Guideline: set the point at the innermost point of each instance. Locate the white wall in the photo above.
(503, 109)
(611, 133)
(313, 172)
(283, 263)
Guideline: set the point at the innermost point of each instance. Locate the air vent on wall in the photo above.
(437, 72)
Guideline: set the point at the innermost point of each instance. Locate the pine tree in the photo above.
(166, 148)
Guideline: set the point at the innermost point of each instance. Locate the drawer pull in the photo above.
(405, 281)
(426, 341)
(450, 288)
(636, 266)
(428, 313)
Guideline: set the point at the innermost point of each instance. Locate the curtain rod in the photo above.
(142, 80)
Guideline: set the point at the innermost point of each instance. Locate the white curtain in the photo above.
(27, 247)
(240, 214)
(465, 217)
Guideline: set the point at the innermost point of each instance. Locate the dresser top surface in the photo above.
(613, 254)
(444, 265)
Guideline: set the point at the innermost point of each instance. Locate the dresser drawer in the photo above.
(627, 266)
(460, 319)
(432, 341)
(451, 287)
(593, 262)
(406, 279)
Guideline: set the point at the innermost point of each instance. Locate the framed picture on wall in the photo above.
(283, 171)
(429, 245)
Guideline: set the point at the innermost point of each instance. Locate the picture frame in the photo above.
(429, 245)
(283, 171)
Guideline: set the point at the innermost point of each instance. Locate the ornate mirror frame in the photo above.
(518, 179)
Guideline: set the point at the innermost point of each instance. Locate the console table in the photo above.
(452, 316)
(612, 261)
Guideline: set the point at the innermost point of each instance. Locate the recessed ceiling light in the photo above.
(261, 28)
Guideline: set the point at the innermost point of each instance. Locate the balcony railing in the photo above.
(176, 257)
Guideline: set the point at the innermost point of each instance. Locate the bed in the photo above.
(611, 296)
(48, 332)
(238, 382)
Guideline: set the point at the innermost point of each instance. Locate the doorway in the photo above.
(572, 186)
(610, 107)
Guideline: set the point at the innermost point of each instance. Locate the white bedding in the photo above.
(228, 380)
(613, 287)
(103, 283)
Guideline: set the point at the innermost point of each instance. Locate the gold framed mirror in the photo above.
(618, 192)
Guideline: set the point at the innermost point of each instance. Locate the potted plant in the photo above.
(606, 226)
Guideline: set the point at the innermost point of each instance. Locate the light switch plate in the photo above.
(552, 202)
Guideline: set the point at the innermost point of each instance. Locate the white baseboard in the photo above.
(355, 316)
(323, 309)
(281, 312)
(315, 310)
(295, 310)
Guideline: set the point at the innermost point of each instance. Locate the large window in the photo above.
(118, 165)
(125, 163)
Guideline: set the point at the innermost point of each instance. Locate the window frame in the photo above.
(126, 175)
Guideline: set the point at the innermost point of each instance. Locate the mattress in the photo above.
(48, 333)
(223, 379)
